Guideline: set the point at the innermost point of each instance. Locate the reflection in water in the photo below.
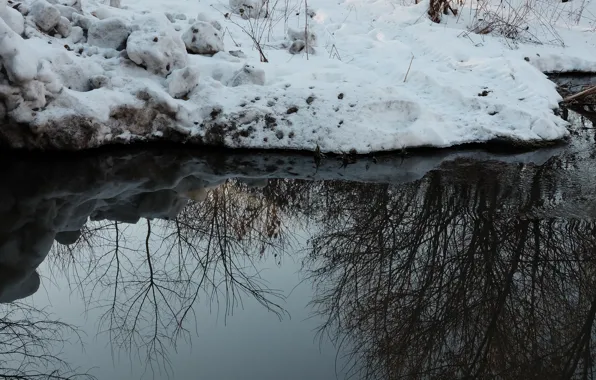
(30, 341)
(449, 277)
(476, 270)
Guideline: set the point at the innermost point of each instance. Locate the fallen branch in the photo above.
(588, 91)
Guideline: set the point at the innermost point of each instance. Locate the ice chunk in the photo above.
(182, 81)
(109, 33)
(203, 38)
(156, 46)
(45, 15)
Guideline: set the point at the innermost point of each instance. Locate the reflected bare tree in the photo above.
(451, 278)
(146, 279)
(30, 345)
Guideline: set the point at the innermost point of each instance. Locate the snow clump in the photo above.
(45, 15)
(182, 81)
(155, 45)
(203, 38)
(109, 33)
(249, 8)
(13, 18)
(248, 75)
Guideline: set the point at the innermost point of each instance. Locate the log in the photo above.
(588, 91)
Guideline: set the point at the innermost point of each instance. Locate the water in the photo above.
(183, 265)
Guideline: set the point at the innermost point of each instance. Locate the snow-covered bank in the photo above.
(378, 76)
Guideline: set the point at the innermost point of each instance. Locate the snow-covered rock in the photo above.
(20, 63)
(203, 38)
(22, 9)
(248, 75)
(63, 27)
(204, 17)
(76, 4)
(249, 8)
(182, 81)
(171, 17)
(13, 18)
(299, 46)
(104, 13)
(156, 46)
(85, 22)
(100, 81)
(109, 33)
(76, 34)
(302, 35)
(66, 11)
(45, 15)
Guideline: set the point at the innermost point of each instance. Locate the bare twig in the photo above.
(409, 67)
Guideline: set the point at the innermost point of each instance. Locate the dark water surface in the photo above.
(182, 265)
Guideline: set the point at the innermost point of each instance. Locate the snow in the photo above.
(377, 75)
